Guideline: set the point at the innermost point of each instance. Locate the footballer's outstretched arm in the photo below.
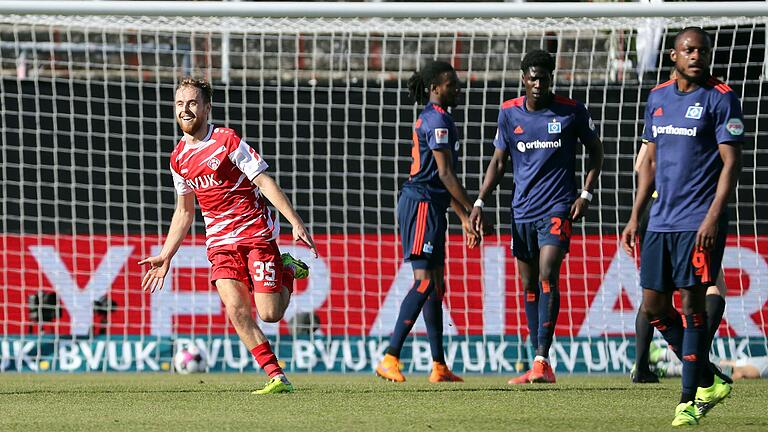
(182, 219)
(272, 191)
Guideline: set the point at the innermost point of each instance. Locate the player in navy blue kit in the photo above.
(421, 212)
(693, 131)
(540, 132)
(645, 350)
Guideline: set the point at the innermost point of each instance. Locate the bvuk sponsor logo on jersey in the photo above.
(735, 127)
(694, 111)
(441, 136)
(203, 182)
(554, 127)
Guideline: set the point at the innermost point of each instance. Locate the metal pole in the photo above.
(384, 10)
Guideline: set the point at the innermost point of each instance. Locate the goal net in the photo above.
(87, 126)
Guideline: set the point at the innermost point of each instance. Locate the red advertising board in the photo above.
(353, 289)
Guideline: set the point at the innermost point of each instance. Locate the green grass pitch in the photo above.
(166, 402)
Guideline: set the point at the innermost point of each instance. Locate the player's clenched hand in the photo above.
(705, 237)
(158, 268)
(473, 237)
(579, 208)
(301, 234)
(629, 237)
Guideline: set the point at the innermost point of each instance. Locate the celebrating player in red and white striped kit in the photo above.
(229, 180)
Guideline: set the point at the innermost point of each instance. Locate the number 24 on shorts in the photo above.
(561, 227)
(263, 271)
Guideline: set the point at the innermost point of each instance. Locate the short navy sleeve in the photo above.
(438, 132)
(585, 127)
(647, 133)
(729, 122)
(500, 140)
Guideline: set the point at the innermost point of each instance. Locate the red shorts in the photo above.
(259, 266)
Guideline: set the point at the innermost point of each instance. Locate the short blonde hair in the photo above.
(200, 84)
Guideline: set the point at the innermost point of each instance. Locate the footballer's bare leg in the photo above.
(234, 295)
(271, 306)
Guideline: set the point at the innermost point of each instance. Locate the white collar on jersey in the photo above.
(202, 141)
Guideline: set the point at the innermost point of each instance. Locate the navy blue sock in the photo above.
(671, 327)
(433, 317)
(549, 308)
(715, 310)
(409, 311)
(643, 338)
(531, 301)
(695, 357)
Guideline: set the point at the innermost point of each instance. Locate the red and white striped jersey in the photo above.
(220, 170)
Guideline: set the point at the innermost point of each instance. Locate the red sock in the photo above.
(266, 359)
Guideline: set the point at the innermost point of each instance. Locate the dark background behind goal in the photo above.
(92, 158)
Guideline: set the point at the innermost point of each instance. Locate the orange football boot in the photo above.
(389, 369)
(441, 373)
(522, 379)
(542, 372)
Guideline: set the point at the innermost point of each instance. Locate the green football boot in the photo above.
(278, 384)
(299, 267)
(685, 415)
(707, 398)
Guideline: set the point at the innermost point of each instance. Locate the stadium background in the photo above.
(87, 129)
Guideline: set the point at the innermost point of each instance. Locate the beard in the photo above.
(191, 128)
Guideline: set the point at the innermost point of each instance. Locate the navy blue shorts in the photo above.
(422, 232)
(669, 261)
(529, 237)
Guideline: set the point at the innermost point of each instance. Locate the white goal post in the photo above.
(86, 126)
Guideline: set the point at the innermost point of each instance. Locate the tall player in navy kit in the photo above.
(421, 212)
(540, 132)
(693, 131)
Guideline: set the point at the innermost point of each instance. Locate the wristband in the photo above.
(586, 195)
(479, 203)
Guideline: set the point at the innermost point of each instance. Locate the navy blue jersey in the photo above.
(543, 145)
(434, 129)
(687, 128)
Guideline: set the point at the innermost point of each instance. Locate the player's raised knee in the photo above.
(271, 315)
